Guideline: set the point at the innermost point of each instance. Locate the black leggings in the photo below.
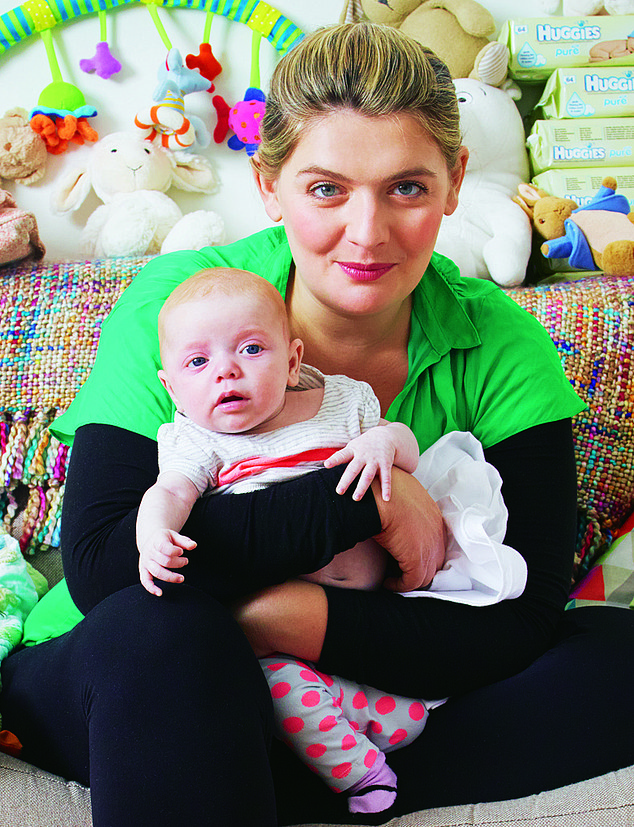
(120, 703)
(187, 676)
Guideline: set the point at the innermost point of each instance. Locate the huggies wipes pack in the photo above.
(589, 93)
(582, 183)
(581, 142)
(538, 45)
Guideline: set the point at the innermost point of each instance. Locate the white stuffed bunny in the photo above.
(488, 236)
(131, 176)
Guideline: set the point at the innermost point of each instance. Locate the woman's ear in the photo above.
(456, 177)
(295, 353)
(268, 191)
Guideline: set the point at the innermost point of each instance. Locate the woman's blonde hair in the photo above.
(370, 68)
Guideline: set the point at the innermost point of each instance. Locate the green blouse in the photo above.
(477, 361)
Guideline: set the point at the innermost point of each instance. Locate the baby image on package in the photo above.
(539, 45)
(581, 142)
(606, 92)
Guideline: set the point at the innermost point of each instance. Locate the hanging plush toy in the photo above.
(205, 61)
(166, 119)
(245, 117)
(61, 114)
(103, 63)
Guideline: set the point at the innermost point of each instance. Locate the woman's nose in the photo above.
(368, 222)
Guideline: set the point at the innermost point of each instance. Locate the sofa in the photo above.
(50, 319)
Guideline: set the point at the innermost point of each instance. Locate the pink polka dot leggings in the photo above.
(337, 727)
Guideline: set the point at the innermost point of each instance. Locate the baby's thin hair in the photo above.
(227, 281)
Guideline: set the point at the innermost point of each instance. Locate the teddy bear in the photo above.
(458, 31)
(488, 235)
(131, 176)
(22, 151)
(586, 8)
(19, 237)
(596, 236)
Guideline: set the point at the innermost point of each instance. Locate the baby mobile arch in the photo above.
(62, 114)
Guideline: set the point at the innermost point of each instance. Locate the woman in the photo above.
(157, 703)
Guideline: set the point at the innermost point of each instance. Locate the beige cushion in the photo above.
(33, 798)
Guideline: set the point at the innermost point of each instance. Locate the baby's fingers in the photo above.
(366, 476)
(148, 583)
(338, 458)
(182, 542)
(348, 477)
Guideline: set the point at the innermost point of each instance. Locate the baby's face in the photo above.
(227, 361)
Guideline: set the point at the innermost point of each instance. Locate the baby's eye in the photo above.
(252, 350)
(197, 361)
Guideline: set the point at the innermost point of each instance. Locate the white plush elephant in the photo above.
(488, 235)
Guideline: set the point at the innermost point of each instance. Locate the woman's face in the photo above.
(362, 200)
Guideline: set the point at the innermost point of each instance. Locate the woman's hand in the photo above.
(413, 531)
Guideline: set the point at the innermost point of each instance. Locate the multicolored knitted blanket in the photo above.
(50, 321)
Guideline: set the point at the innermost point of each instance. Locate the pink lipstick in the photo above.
(364, 272)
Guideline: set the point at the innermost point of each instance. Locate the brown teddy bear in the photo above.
(22, 151)
(458, 31)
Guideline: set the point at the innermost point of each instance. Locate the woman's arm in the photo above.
(245, 541)
(425, 647)
(432, 648)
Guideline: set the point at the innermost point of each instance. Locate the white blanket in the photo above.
(479, 569)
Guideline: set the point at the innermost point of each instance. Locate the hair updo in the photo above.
(371, 69)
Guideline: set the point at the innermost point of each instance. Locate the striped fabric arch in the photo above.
(37, 15)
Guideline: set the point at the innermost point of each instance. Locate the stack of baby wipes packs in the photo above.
(586, 111)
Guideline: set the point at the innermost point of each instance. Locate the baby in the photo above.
(248, 414)
(612, 49)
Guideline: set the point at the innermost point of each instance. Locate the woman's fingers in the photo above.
(413, 531)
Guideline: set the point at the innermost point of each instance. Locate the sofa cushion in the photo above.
(30, 797)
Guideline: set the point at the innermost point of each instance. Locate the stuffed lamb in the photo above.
(488, 235)
(131, 176)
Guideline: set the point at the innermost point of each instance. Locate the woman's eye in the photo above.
(325, 190)
(408, 188)
(253, 350)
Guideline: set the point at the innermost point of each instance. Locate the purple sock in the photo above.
(376, 791)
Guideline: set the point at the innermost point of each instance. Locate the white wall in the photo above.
(134, 40)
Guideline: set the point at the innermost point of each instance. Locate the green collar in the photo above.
(442, 320)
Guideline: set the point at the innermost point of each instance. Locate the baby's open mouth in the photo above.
(233, 397)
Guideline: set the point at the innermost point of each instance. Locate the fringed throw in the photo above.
(50, 321)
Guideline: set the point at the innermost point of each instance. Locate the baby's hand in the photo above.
(163, 552)
(368, 455)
